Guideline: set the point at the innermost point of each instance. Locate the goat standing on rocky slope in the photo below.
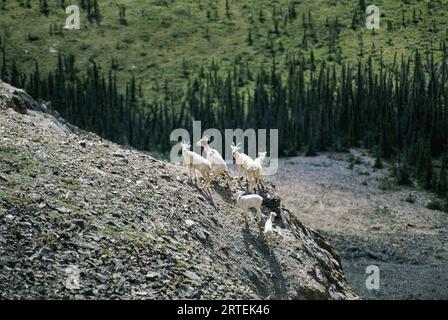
(256, 171)
(196, 162)
(249, 201)
(219, 166)
(243, 161)
(268, 230)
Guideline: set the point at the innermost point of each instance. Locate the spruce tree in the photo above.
(442, 183)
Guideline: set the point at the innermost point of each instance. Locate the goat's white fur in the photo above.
(219, 166)
(196, 162)
(246, 202)
(243, 161)
(256, 170)
(268, 230)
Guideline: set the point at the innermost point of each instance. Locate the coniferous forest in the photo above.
(396, 107)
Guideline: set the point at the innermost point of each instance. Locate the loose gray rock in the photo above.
(135, 228)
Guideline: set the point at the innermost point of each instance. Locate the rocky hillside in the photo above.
(134, 226)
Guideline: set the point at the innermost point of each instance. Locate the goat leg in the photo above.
(190, 172)
(207, 181)
(258, 214)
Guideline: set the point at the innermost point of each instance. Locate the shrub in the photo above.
(357, 160)
(410, 198)
(387, 184)
(403, 176)
(438, 204)
(378, 163)
(351, 158)
(310, 151)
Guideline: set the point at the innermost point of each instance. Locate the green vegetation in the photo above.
(7, 151)
(387, 184)
(437, 204)
(353, 160)
(138, 69)
(410, 198)
(385, 213)
(166, 39)
(378, 164)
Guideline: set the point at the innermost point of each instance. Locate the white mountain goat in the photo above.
(268, 231)
(249, 201)
(256, 170)
(219, 166)
(195, 162)
(243, 161)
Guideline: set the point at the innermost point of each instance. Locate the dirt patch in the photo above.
(370, 221)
